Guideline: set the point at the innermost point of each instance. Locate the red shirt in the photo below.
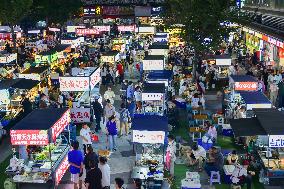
(120, 69)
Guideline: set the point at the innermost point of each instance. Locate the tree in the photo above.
(205, 22)
(13, 11)
(55, 11)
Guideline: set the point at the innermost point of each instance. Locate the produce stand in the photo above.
(45, 134)
(36, 73)
(148, 136)
(265, 137)
(84, 85)
(10, 97)
(154, 98)
(154, 62)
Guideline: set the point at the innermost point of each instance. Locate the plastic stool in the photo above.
(215, 177)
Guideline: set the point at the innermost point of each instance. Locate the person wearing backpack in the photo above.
(124, 119)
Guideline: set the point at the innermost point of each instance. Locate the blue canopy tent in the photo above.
(255, 99)
(163, 76)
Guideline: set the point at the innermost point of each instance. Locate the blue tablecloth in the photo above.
(206, 146)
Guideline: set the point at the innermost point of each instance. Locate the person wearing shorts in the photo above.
(75, 158)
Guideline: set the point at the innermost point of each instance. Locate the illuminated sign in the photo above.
(61, 170)
(153, 64)
(276, 141)
(60, 124)
(74, 83)
(93, 11)
(130, 28)
(81, 115)
(246, 86)
(102, 28)
(91, 31)
(149, 137)
(29, 137)
(152, 96)
(95, 78)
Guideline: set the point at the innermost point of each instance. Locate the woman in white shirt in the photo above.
(105, 169)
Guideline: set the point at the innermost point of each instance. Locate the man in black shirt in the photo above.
(98, 112)
(94, 177)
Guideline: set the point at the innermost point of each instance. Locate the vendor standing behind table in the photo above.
(98, 113)
(171, 154)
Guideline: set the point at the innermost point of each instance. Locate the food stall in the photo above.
(84, 85)
(154, 98)
(159, 49)
(10, 97)
(154, 62)
(119, 44)
(237, 84)
(52, 55)
(38, 73)
(164, 76)
(265, 137)
(8, 59)
(254, 99)
(45, 137)
(148, 137)
(221, 63)
(110, 57)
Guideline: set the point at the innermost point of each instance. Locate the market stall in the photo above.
(154, 98)
(52, 55)
(45, 137)
(110, 57)
(264, 139)
(8, 59)
(154, 62)
(10, 97)
(237, 84)
(221, 63)
(159, 49)
(119, 44)
(164, 76)
(148, 136)
(83, 84)
(39, 73)
(73, 41)
(255, 99)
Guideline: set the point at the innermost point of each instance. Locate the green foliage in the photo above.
(55, 11)
(13, 11)
(202, 20)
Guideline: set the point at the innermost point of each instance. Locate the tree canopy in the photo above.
(206, 22)
(55, 11)
(12, 11)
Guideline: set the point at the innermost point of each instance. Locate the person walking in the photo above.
(94, 176)
(124, 120)
(109, 95)
(75, 158)
(131, 107)
(120, 70)
(90, 156)
(105, 169)
(281, 93)
(171, 154)
(130, 90)
(112, 133)
(119, 182)
(273, 92)
(109, 110)
(98, 113)
(138, 98)
(85, 134)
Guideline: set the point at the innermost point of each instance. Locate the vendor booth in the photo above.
(221, 63)
(110, 57)
(159, 49)
(48, 57)
(164, 76)
(36, 73)
(43, 139)
(149, 132)
(264, 139)
(10, 97)
(73, 41)
(154, 62)
(83, 83)
(8, 59)
(119, 44)
(255, 99)
(154, 98)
